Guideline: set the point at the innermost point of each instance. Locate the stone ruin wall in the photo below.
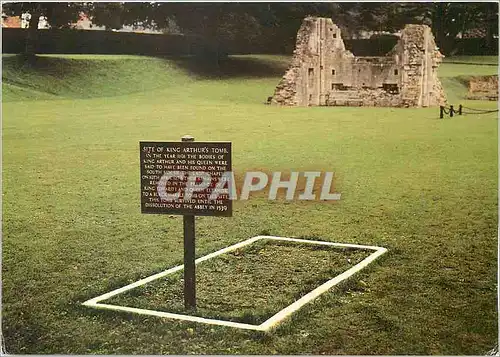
(323, 73)
(483, 88)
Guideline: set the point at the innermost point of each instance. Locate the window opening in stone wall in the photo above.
(294, 88)
(310, 74)
(391, 88)
(338, 86)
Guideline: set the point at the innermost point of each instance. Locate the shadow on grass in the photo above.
(231, 67)
(58, 67)
(203, 67)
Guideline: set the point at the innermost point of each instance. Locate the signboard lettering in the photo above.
(181, 177)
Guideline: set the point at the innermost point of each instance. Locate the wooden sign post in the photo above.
(189, 256)
(166, 167)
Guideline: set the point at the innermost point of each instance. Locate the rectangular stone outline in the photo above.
(274, 320)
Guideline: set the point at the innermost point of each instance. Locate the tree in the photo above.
(114, 15)
(218, 24)
(109, 15)
(269, 25)
(448, 19)
(59, 15)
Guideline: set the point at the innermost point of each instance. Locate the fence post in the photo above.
(460, 109)
(441, 112)
(451, 111)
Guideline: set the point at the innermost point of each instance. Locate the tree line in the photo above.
(278, 23)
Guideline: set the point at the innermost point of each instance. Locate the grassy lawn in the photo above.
(456, 71)
(247, 285)
(478, 60)
(425, 189)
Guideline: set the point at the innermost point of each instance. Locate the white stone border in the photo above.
(266, 325)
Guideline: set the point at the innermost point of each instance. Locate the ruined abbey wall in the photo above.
(324, 73)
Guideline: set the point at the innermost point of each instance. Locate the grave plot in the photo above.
(254, 284)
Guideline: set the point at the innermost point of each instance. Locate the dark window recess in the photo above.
(338, 86)
(310, 74)
(333, 72)
(396, 72)
(310, 97)
(321, 67)
(334, 35)
(391, 88)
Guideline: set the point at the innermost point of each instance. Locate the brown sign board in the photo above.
(166, 168)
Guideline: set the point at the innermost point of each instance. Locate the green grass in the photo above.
(478, 60)
(456, 71)
(247, 285)
(426, 189)
(84, 76)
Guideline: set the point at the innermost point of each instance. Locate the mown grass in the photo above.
(424, 188)
(247, 285)
(477, 60)
(84, 76)
(455, 75)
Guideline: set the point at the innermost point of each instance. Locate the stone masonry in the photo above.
(483, 88)
(324, 73)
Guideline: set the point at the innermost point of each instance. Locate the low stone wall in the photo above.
(483, 88)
